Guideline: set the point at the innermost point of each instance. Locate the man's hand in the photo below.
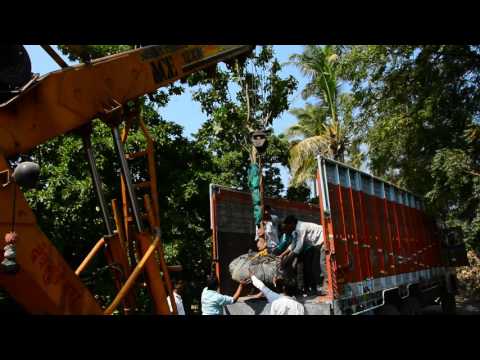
(239, 290)
(11, 238)
(258, 295)
(261, 232)
(256, 282)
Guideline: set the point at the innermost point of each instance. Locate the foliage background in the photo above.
(413, 118)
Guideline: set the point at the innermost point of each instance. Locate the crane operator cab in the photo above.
(15, 71)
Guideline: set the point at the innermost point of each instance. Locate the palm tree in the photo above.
(304, 141)
(321, 128)
(320, 64)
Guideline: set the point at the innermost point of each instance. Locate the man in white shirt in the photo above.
(281, 304)
(271, 223)
(307, 243)
(177, 291)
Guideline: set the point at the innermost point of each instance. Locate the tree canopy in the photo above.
(415, 109)
(226, 135)
(418, 107)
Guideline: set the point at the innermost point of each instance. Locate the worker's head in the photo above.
(289, 224)
(212, 282)
(179, 286)
(261, 243)
(285, 286)
(267, 212)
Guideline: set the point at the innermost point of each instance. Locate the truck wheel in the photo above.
(410, 306)
(449, 305)
(387, 309)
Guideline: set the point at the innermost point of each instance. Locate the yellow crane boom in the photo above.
(68, 100)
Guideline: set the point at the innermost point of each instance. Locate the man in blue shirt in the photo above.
(285, 241)
(212, 301)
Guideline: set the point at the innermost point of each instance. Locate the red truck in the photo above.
(384, 254)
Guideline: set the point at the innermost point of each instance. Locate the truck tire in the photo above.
(410, 306)
(387, 309)
(449, 305)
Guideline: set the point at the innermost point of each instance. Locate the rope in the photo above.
(9, 263)
(14, 206)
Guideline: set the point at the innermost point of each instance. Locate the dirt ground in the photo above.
(465, 306)
(468, 300)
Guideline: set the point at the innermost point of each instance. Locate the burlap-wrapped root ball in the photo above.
(263, 267)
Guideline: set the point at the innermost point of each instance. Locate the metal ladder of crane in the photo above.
(130, 245)
(150, 199)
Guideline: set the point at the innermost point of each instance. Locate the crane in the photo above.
(36, 109)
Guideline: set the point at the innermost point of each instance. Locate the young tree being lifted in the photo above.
(259, 141)
(257, 122)
(244, 120)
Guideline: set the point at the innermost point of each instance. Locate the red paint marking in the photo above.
(54, 274)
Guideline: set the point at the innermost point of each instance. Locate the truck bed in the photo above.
(380, 243)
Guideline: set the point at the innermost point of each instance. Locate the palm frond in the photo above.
(294, 131)
(325, 129)
(304, 173)
(306, 149)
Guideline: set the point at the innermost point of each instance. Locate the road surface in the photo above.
(464, 307)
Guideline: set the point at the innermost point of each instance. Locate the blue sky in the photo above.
(186, 112)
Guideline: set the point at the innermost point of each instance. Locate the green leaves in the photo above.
(226, 131)
(85, 53)
(457, 189)
(326, 128)
(416, 108)
(415, 104)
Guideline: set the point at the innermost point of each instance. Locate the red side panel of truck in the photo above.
(378, 234)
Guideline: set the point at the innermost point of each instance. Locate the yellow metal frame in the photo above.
(66, 100)
(157, 285)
